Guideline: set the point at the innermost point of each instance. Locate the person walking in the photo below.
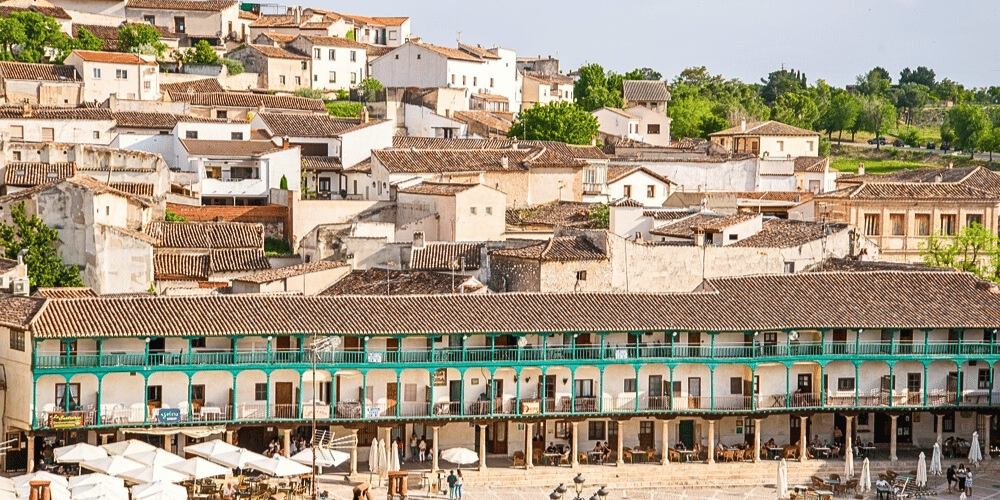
(460, 481)
(960, 474)
(968, 485)
(423, 449)
(452, 480)
(413, 447)
(950, 476)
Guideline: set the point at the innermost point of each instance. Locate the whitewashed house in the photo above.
(239, 172)
(617, 122)
(219, 22)
(337, 63)
(638, 183)
(26, 123)
(128, 76)
(542, 89)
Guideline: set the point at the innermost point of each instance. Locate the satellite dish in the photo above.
(521, 342)
(793, 335)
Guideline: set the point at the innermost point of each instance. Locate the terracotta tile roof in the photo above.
(10, 70)
(280, 38)
(229, 149)
(69, 292)
(851, 265)
(206, 235)
(550, 79)
(334, 41)
(617, 111)
(56, 113)
(46, 10)
(377, 20)
(239, 259)
(447, 256)
(910, 191)
(684, 227)
(7, 264)
(570, 150)
(200, 5)
(485, 118)
(207, 213)
(668, 214)
(270, 20)
(300, 125)
(813, 164)
(450, 53)
(321, 164)
(156, 120)
(373, 282)
(248, 100)
(192, 87)
(645, 90)
(316, 25)
(626, 202)
(490, 97)
(79, 180)
(375, 51)
(176, 266)
(437, 188)
(247, 15)
(16, 311)
(478, 51)
(808, 300)
(26, 174)
(785, 196)
(976, 177)
(473, 160)
(112, 58)
(556, 213)
(784, 233)
(769, 127)
(721, 223)
(275, 52)
(135, 188)
(557, 249)
(290, 271)
(618, 172)
(363, 166)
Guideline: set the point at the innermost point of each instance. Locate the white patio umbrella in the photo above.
(199, 468)
(156, 458)
(94, 478)
(936, 460)
(866, 476)
(128, 447)
(100, 491)
(7, 484)
(113, 465)
(237, 459)
(849, 463)
(921, 470)
(79, 452)
(373, 457)
(152, 474)
(324, 457)
(393, 459)
(39, 476)
(782, 479)
(383, 459)
(210, 448)
(159, 490)
(975, 454)
(58, 491)
(460, 456)
(279, 466)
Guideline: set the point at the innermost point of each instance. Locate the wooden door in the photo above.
(656, 392)
(455, 396)
(804, 390)
(906, 341)
(391, 397)
(794, 426)
(392, 348)
(647, 434)
(283, 405)
(496, 437)
(283, 343)
(694, 344)
(613, 435)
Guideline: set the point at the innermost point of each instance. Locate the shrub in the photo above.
(276, 246)
(344, 109)
(233, 66)
(911, 137)
(170, 216)
(309, 93)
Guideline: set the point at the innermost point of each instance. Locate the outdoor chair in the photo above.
(627, 455)
(583, 458)
(519, 459)
(673, 455)
(564, 458)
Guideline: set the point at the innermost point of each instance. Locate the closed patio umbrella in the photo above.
(936, 460)
(383, 458)
(782, 479)
(393, 459)
(866, 476)
(849, 463)
(975, 455)
(921, 479)
(79, 452)
(199, 468)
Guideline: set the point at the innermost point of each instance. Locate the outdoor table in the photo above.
(687, 454)
(822, 450)
(799, 488)
(551, 458)
(866, 451)
(883, 493)
(831, 482)
(775, 453)
(214, 411)
(595, 456)
(824, 494)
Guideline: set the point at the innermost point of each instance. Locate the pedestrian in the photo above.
(968, 485)
(399, 448)
(452, 480)
(413, 447)
(950, 476)
(423, 449)
(960, 474)
(460, 481)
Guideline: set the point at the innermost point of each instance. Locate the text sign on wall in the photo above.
(441, 377)
(168, 415)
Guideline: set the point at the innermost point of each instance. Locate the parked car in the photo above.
(898, 143)
(877, 140)
(930, 145)
(945, 146)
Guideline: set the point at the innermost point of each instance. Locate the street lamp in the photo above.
(558, 493)
(578, 484)
(319, 344)
(602, 493)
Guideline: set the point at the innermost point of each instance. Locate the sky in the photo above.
(835, 40)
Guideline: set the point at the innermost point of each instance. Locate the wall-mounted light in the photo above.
(565, 379)
(675, 334)
(793, 335)
(756, 334)
(528, 378)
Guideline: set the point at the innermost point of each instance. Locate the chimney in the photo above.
(938, 178)
(297, 12)
(418, 240)
(504, 162)
(447, 113)
(364, 114)
(26, 109)
(513, 144)
(699, 237)
(743, 125)
(285, 142)
(861, 169)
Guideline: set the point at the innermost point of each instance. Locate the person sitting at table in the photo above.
(834, 449)
(228, 491)
(680, 446)
(607, 453)
(719, 446)
(838, 436)
(696, 451)
(882, 486)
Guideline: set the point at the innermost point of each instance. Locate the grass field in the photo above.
(846, 158)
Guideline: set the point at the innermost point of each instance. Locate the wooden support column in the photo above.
(576, 443)
(665, 460)
(482, 447)
(529, 435)
(354, 452)
(756, 440)
(986, 434)
(711, 441)
(892, 438)
(803, 440)
(31, 452)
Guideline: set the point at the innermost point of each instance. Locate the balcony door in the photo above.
(391, 397)
(694, 392)
(283, 406)
(656, 392)
(496, 437)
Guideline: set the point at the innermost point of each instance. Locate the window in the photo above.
(770, 338)
(736, 385)
(475, 81)
(97, 73)
(74, 395)
(17, 340)
(873, 225)
(845, 384)
(984, 378)
(913, 382)
(596, 431)
(48, 134)
(121, 74)
(419, 56)
(947, 423)
(631, 385)
(581, 275)
(809, 145)
(922, 224)
(789, 267)
(324, 184)
(179, 25)
(198, 393)
(17, 156)
(464, 79)
(191, 134)
(331, 54)
(627, 191)
(653, 128)
(354, 77)
(149, 20)
(298, 81)
(948, 223)
(236, 136)
(147, 85)
(17, 132)
(317, 53)
(472, 210)
(452, 79)
(650, 191)
(97, 134)
(354, 55)
(333, 77)
(260, 392)
(971, 219)
(491, 82)
(781, 145)
(198, 343)
(489, 210)
(281, 79)
(221, 113)
(304, 66)
(154, 393)
(897, 224)
(410, 392)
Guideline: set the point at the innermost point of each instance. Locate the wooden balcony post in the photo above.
(529, 437)
(575, 436)
(803, 439)
(354, 452)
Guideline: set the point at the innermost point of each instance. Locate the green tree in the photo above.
(689, 114)
(911, 98)
(876, 115)
(796, 109)
(140, 38)
(911, 137)
(874, 83)
(171, 216)
(308, 93)
(780, 82)
(233, 67)
(599, 215)
(201, 53)
(369, 87)
(648, 74)
(968, 123)
(283, 183)
(595, 88)
(45, 268)
(990, 142)
(29, 34)
(85, 40)
(556, 121)
(973, 249)
(947, 90)
(841, 114)
(921, 76)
